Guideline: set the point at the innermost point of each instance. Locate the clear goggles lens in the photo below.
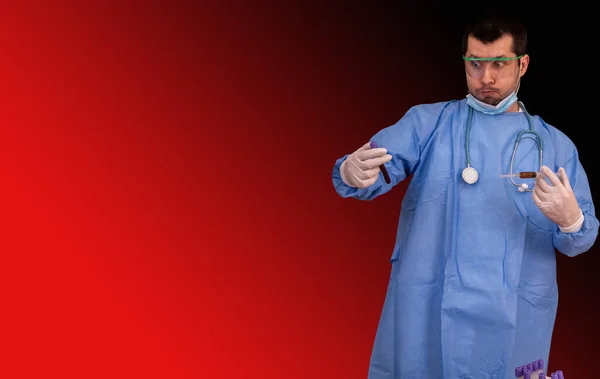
(497, 68)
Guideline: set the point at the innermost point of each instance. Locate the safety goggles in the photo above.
(497, 68)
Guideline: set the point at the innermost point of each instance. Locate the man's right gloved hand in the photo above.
(361, 168)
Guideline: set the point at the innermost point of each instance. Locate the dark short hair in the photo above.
(494, 26)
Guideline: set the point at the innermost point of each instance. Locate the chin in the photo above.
(491, 100)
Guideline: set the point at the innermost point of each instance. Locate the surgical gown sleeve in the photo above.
(404, 141)
(572, 244)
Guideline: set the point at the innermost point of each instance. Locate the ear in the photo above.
(524, 65)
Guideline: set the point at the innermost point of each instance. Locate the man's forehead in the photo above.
(502, 47)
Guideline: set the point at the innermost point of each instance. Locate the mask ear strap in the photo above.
(520, 67)
(519, 80)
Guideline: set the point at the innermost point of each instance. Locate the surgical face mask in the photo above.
(486, 108)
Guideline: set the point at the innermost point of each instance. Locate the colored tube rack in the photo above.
(535, 370)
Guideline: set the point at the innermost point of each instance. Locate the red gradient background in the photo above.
(167, 197)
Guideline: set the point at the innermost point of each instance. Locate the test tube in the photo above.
(542, 375)
(541, 365)
(519, 372)
(526, 373)
(554, 376)
(560, 375)
(384, 171)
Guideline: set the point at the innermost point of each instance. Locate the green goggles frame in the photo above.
(493, 59)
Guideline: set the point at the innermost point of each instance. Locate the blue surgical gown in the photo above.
(472, 291)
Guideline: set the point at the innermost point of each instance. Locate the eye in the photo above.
(475, 64)
(498, 64)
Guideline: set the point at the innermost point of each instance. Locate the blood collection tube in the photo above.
(530, 367)
(519, 372)
(384, 171)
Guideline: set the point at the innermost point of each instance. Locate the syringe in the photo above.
(522, 175)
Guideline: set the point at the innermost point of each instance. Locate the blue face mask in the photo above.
(486, 108)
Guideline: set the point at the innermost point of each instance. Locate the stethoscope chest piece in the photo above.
(470, 175)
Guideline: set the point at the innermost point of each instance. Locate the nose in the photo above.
(487, 77)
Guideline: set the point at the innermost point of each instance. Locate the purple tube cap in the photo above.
(536, 365)
(374, 145)
(560, 375)
(526, 374)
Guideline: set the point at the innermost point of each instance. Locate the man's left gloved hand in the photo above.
(557, 200)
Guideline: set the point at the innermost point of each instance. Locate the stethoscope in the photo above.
(470, 175)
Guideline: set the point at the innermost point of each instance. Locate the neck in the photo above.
(513, 108)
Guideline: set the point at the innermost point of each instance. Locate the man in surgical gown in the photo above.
(472, 291)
